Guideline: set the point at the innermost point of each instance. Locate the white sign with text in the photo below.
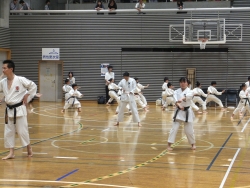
(50, 53)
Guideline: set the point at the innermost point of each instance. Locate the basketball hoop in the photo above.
(203, 42)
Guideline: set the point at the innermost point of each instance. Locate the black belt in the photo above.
(72, 97)
(177, 111)
(247, 100)
(170, 96)
(136, 93)
(112, 90)
(12, 107)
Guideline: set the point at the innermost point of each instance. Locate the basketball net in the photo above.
(203, 42)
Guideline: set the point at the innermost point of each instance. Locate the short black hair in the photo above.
(165, 79)
(10, 64)
(198, 84)
(248, 77)
(71, 73)
(136, 78)
(109, 67)
(125, 74)
(66, 80)
(47, 1)
(21, 1)
(110, 79)
(213, 83)
(183, 79)
(169, 84)
(74, 85)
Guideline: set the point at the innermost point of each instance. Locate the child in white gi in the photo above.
(169, 96)
(112, 92)
(128, 86)
(141, 87)
(244, 100)
(197, 97)
(183, 114)
(72, 100)
(164, 87)
(16, 90)
(211, 92)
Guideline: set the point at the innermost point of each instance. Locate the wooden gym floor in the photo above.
(86, 150)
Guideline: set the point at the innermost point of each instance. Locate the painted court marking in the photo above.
(65, 182)
(131, 168)
(66, 175)
(229, 169)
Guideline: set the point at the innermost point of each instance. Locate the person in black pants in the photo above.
(108, 75)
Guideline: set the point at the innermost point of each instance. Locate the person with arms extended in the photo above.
(16, 89)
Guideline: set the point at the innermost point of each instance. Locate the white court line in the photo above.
(38, 153)
(66, 157)
(229, 169)
(245, 126)
(66, 182)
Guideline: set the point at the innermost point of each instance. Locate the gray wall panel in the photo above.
(4, 37)
(88, 40)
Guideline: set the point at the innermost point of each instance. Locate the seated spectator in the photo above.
(13, 5)
(25, 6)
(47, 5)
(99, 5)
(140, 5)
(180, 4)
(112, 5)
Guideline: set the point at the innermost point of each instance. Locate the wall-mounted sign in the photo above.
(50, 53)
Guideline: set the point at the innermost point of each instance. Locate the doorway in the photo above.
(51, 80)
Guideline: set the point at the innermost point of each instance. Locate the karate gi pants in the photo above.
(188, 129)
(241, 106)
(133, 109)
(69, 103)
(199, 100)
(21, 127)
(163, 97)
(143, 99)
(139, 101)
(169, 100)
(113, 95)
(215, 99)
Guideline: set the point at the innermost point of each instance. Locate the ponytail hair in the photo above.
(198, 84)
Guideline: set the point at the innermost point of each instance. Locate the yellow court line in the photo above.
(164, 152)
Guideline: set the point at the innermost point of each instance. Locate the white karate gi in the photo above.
(138, 100)
(181, 116)
(143, 99)
(169, 97)
(197, 98)
(247, 84)
(66, 88)
(127, 97)
(72, 80)
(212, 91)
(113, 95)
(15, 95)
(73, 101)
(241, 105)
(164, 95)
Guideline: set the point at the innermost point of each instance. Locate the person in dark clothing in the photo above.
(180, 4)
(99, 6)
(112, 5)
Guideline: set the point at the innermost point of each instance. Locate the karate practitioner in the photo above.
(108, 75)
(138, 100)
(128, 86)
(183, 114)
(72, 100)
(244, 100)
(169, 96)
(164, 87)
(247, 83)
(66, 89)
(211, 92)
(197, 97)
(112, 92)
(15, 90)
(141, 87)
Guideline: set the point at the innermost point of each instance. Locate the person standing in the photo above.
(247, 83)
(47, 3)
(16, 90)
(128, 86)
(108, 76)
(13, 5)
(183, 114)
(71, 78)
(25, 6)
(164, 87)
